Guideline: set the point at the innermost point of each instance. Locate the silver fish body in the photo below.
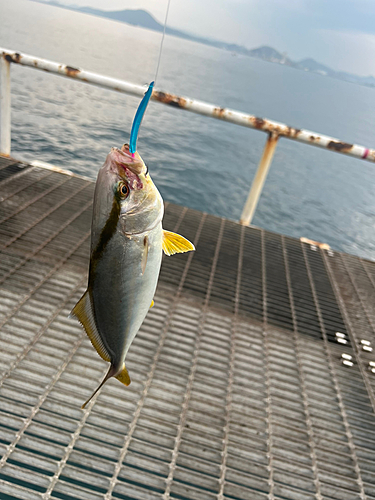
(121, 295)
(121, 291)
(127, 240)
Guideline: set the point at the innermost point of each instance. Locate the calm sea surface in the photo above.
(195, 161)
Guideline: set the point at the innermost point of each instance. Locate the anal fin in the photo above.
(123, 376)
(85, 315)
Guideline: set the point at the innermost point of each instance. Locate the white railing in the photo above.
(274, 130)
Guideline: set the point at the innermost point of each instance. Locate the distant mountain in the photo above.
(311, 65)
(145, 20)
(271, 55)
(139, 18)
(315, 67)
(134, 17)
(369, 81)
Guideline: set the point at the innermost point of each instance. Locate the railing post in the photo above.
(4, 107)
(259, 180)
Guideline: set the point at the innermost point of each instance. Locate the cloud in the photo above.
(349, 51)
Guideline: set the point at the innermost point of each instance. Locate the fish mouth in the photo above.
(129, 168)
(123, 158)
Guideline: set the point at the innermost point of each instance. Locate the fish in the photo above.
(127, 242)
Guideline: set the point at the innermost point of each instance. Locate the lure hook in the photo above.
(138, 118)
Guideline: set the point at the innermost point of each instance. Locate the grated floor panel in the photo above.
(239, 390)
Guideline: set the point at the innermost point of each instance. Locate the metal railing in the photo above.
(275, 130)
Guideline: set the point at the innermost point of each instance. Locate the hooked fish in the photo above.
(127, 240)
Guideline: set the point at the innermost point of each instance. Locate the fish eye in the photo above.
(123, 189)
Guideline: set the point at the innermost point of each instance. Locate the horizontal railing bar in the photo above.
(194, 106)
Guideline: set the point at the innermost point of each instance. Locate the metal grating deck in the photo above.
(238, 388)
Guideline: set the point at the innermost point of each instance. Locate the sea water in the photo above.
(195, 161)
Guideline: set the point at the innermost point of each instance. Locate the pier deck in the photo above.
(239, 390)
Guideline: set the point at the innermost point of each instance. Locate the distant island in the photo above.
(144, 19)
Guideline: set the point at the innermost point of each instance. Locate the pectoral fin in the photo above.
(175, 243)
(152, 304)
(145, 254)
(84, 313)
(123, 376)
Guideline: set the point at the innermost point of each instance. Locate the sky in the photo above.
(338, 33)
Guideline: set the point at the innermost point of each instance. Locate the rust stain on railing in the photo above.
(274, 129)
(171, 99)
(340, 146)
(195, 106)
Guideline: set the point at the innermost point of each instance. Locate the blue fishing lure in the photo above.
(138, 118)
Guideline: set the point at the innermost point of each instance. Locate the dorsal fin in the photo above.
(84, 313)
(175, 243)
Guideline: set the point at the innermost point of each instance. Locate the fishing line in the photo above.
(143, 105)
(162, 40)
